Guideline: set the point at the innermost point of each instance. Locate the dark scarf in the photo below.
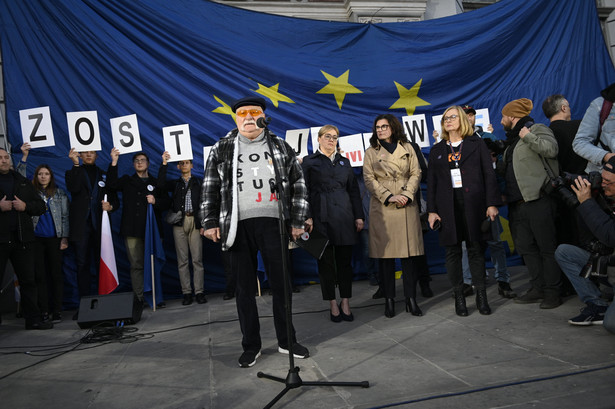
(390, 147)
(512, 136)
(609, 93)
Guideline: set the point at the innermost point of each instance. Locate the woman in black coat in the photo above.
(461, 193)
(335, 210)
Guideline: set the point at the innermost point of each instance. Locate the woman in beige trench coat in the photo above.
(392, 176)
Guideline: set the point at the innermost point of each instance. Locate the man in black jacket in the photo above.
(138, 190)
(186, 196)
(86, 183)
(18, 203)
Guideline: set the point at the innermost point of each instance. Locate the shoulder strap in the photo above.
(604, 114)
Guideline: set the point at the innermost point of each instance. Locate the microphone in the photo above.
(263, 122)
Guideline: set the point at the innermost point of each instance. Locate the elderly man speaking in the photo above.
(239, 210)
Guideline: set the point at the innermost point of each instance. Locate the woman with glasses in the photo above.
(392, 175)
(51, 231)
(462, 193)
(335, 210)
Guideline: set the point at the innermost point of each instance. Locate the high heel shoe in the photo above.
(413, 308)
(389, 307)
(336, 318)
(345, 317)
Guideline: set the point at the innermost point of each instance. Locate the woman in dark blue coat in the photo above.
(461, 193)
(335, 210)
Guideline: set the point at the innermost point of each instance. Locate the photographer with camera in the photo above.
(597, 219)
(530, 208)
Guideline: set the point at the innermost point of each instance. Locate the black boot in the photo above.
(389, 307)
(412, 307)
(460, 304)
(481, 302)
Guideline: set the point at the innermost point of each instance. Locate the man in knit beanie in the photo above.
(530, 210)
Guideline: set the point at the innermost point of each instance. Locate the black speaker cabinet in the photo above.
(109, 309)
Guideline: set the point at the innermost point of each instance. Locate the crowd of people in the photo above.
(537, 171)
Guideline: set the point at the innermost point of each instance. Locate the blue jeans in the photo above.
(571, 260)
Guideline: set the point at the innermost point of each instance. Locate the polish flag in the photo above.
(107, 278)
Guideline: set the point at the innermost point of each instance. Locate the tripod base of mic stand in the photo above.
(293, 380)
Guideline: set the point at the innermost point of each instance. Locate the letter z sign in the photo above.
(36, 127)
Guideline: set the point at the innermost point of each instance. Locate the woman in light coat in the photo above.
(392, 176)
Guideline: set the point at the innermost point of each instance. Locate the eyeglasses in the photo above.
(330, 137)
(450, 118)
(140, 160)
(382, 128)
(245, 112)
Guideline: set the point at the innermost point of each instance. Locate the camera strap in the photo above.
(547, 167)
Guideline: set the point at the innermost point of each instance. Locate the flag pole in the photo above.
(153, 283)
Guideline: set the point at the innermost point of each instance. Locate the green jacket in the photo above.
(529, 170)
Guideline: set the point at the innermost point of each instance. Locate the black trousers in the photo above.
(49, 274)
(22, 258)
(335, 268)
(253, 235)
(231, 281)
(87, 253)
(476, 259)
(535, 236)
(409, 269)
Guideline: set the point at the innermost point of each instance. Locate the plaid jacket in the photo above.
(218, 195)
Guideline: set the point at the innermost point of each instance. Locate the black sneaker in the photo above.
(248, 358)
(299, 351)
(200, 298)
(56, 317)
(228, 296)
(187, 299)
(592, 314)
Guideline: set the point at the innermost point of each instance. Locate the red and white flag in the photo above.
(107, 278)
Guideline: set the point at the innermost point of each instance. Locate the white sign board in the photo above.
(366, 138)
(298, 140)
(314, 136)
(125, 133)
(352, 148)
(36, 127)
(437, 121)
(177, 142)
(482, 118)
(83, 131)
(415, 127)
(206, 150)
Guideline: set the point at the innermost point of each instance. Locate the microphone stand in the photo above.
(292, 380)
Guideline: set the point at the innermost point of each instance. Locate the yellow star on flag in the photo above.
(408, 98)
(224, 109)
(339, 87)
(273, 94)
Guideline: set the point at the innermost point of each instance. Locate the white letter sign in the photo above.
(83, 131)
(177, 142)
(352, 148)
(125, 132)
(298, 140)
(36, 127)
(415, 127)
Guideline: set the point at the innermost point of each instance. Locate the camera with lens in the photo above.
(496, 146)
(560, 185)
(597, 265)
